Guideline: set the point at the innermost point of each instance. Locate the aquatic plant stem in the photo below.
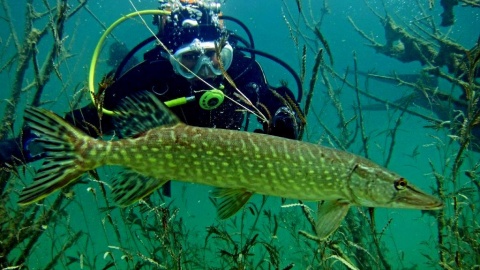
(36, 230)
(343, 142)
(393, 135)
(359, 105)
(61, 253)
(43, 76)
(25, 51)
(313, 80)
(29, 227)
(441, 223)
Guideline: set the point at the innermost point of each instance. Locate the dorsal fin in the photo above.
(141, 112)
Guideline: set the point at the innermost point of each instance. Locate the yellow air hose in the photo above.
(98, 48)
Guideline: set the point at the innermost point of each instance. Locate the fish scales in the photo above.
(268, 165)
(238, 164)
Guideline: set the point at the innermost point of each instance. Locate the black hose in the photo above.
(127, 57)
(241, 24)
(250, 49)
(283, 64)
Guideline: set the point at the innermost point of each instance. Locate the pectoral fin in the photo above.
(329, 217)
(130, 187)
(231, 200)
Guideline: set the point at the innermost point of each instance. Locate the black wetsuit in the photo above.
(156, 74)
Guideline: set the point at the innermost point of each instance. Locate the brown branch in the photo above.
(25, 52)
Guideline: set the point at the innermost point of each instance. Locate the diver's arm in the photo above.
(13, 152)
(17, 151)
(282, 107)
(144, 76)
(23, 149)
(277, 104)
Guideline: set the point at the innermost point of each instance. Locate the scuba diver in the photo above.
(207, 75)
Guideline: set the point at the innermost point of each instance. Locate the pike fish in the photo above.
(159, 147)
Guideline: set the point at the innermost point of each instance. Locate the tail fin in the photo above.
(62, 164)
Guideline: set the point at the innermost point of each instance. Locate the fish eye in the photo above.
(400, 184)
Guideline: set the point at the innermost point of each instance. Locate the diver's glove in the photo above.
(20, 150)
(284, 124)
(10, 152)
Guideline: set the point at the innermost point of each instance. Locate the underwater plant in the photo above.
(42, 64)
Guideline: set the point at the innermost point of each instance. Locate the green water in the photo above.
(81, 228)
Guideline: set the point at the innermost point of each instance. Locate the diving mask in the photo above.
(201, 59)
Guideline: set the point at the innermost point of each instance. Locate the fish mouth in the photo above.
(436, 204)
(416, 199)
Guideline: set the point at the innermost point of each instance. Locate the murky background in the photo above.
(80, 228)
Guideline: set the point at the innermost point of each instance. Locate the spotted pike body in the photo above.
(237, 163)
(259, 163)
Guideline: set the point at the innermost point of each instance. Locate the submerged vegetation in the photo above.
(79, 227)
